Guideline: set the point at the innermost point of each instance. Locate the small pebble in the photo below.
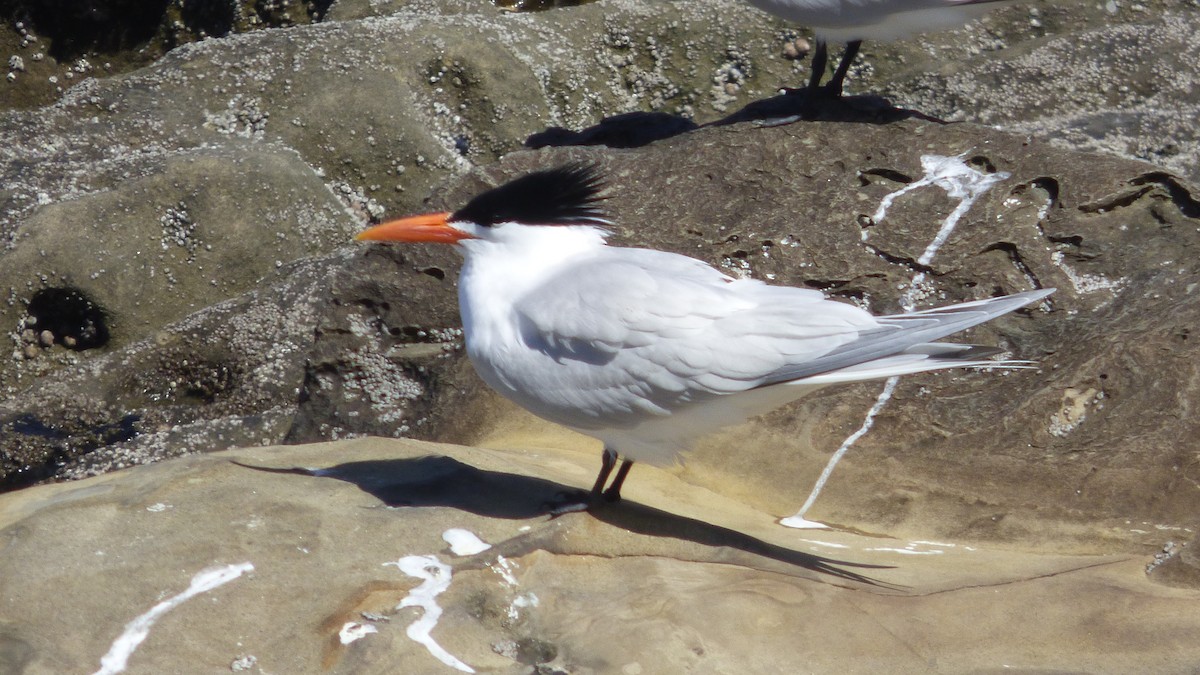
(796, 49)
(46, 338)
(31, 351)
(69, 341)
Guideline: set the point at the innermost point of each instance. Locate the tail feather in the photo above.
(917, 361)
(906, 339)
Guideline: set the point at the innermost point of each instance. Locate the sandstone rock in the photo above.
(678, 577)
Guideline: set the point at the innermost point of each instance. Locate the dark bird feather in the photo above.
(566, 195)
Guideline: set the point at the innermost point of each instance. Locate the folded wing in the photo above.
(648, 332)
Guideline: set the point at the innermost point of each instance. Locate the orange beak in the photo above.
(426, 228)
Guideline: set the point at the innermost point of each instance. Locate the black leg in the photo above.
(607, 461)
(820, 60)
(839, 76)
(598, 496)
(613, 493)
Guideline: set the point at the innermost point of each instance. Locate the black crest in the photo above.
(567, 195)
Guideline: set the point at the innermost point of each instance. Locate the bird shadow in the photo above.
(434, 480)
(637, 129)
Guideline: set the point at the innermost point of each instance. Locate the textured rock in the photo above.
(271, 148)
(1126, 87)
(199, 227)
(678, 577)
(233, 138)
(1116, 77)
(1082, 451)
(63, 41)
(1089, 438)
(343, 333)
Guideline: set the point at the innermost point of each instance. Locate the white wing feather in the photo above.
(649, 332)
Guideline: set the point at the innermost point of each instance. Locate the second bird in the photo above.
(647, 350)
(852, 21)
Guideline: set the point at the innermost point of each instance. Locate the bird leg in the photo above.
(819, 61)
(597, 496)
(613, 493)
(839, 76)
(608, 461)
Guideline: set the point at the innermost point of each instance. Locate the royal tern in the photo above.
(852, 21)
(647, 350)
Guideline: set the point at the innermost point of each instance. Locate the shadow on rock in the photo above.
(729, 546)
(443, 481)
(801, 106)
(630, 130)
(637, 129)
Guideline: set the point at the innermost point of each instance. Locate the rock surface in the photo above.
(1081, 450)
(1116, 79)
(178, 281)
(56, 43)
(682, 579)
(176, 138)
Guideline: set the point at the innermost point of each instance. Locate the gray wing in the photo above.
(902, 332)
(636, 331)
(896, 6)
